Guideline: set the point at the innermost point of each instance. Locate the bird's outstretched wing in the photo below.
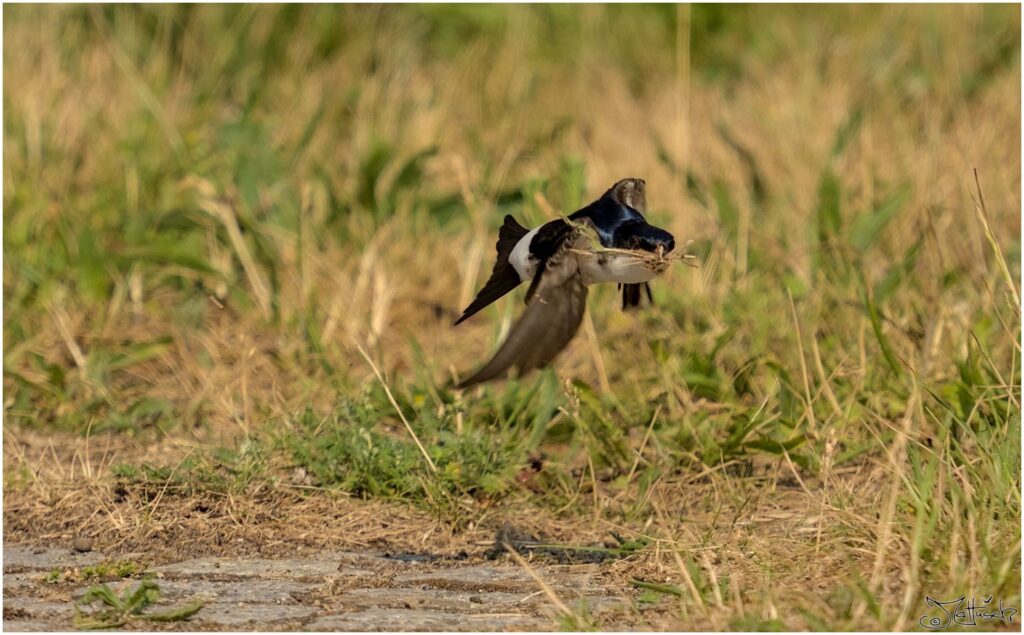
(551, 319)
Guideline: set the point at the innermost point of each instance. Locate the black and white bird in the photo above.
(561, 260)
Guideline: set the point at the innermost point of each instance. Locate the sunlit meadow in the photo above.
(235, 239)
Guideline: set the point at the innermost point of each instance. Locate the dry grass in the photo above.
(211, 211)
(743, 535)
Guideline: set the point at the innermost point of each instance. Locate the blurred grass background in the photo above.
(210, 210)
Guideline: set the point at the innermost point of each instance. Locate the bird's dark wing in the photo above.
(504, 277)
(631, 295)
(632, 193)
(550, 321)
(637, 198)
(550, 238)
(546, 243)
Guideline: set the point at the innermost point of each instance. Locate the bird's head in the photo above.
(650, 238)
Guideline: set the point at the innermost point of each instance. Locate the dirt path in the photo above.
(333, 591)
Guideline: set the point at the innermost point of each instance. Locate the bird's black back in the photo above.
(617, 224)
(608, 216)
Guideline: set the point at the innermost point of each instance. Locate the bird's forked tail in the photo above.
(504, 277)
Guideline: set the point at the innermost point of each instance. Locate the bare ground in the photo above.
(767, 546)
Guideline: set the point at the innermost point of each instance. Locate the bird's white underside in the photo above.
(595, 268)
(621, 268)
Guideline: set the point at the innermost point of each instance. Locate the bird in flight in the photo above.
(561, 259)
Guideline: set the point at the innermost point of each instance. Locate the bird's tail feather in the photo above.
(504, 277)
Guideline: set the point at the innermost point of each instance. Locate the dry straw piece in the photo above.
(657, 261)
